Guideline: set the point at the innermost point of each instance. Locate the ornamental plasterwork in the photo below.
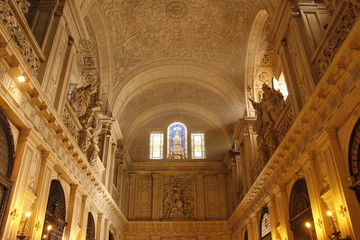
(18, 35)
(144, 31)
(178, 201)
(348, 17)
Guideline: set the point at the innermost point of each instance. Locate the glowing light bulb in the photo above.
(28, 214)
(21, 78)
(49, 227)
(329, 213)
(307, 224)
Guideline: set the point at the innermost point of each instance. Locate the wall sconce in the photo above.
(14, 214)
(21, 234)
(336, 234)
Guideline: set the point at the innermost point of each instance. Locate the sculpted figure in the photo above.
(81, 98)
(268, 110)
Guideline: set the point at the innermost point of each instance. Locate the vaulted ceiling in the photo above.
(181, 60)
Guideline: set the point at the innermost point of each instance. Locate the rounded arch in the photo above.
(257, 46)
(246, 237)
(55, 212)
(354, 159)
(102, 37)
(90, 227)
(300, 210)
(7, 158)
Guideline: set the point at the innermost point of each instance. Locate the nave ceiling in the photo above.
(181, 60)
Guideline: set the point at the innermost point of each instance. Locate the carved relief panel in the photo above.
(178, 198)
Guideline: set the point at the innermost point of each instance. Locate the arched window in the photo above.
(280, 85)
(55, 212)
(246, 237)
(354, 159)
(111, 236)
(300, 211)
(7, 156)
(90, 228)
(265, 228)
(177, 141)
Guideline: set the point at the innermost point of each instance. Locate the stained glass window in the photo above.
(177, 141)
(156, 145)
(198, 145)
(265, 228)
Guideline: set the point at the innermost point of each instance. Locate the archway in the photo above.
(90, 228)
(354, 159)
(246, 237)
(55, 212)
(7, 156)
(300, 211)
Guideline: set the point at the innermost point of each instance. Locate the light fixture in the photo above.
(21, 78)
(309, 225)
(336, 233)
(21, 234)
(49, 228)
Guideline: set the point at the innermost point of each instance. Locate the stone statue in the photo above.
(268, 110)
(81, 98)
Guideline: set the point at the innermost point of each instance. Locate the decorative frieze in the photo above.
(343, 21)
(18, 35)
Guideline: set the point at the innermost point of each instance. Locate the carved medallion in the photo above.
(176, 9)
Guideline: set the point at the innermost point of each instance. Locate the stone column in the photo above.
(99, 226)
(255, 229)
(71, 217)
(273, 218)
(107, 160)
(313, 183)
(83, 217)
(132, 197)
(106, 228)
(111, 166)
(156, 198)
(283, 212)
(340, 187)
(19, 186)
(200, 200)
(42, 192)
(64, 78)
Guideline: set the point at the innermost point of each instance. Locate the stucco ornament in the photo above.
(144, 31)
(178, 201)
